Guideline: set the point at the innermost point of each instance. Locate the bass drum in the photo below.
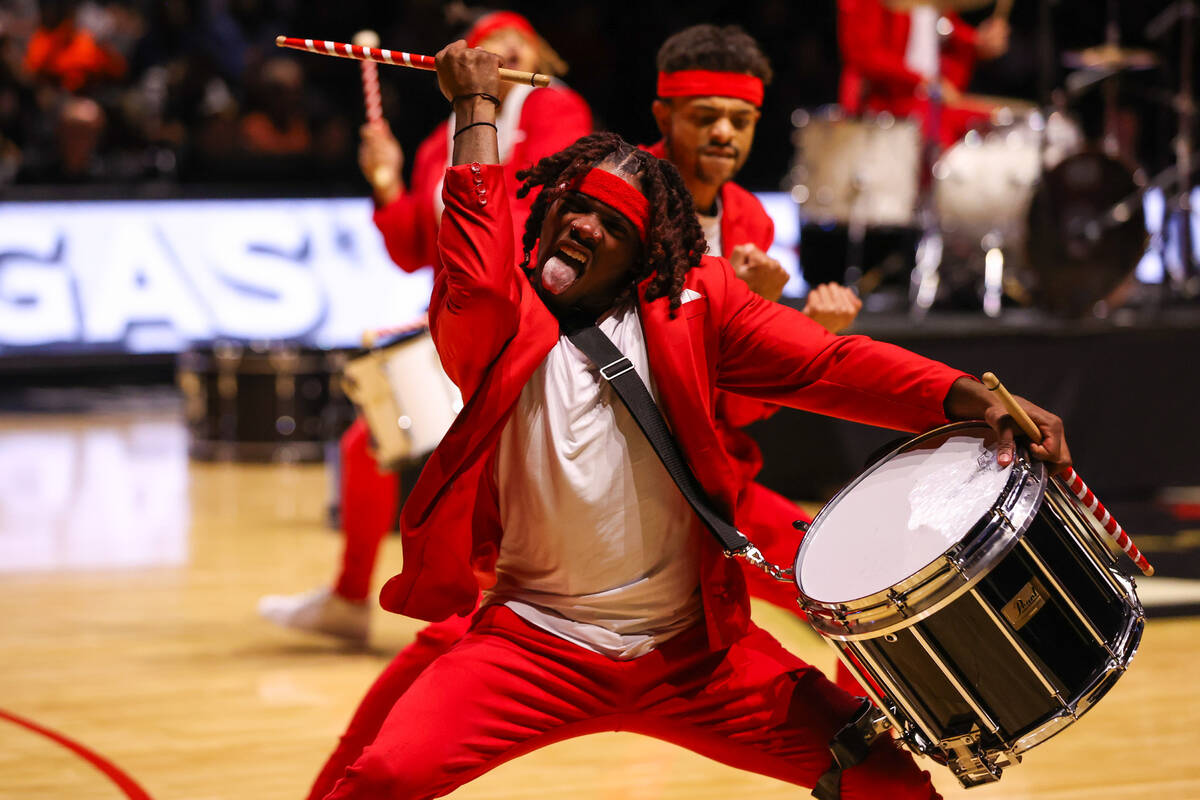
(983, 185)
(1087, 232)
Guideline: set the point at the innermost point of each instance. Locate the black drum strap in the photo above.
(849, 746)
(618, 370)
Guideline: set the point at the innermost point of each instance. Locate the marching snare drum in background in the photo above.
(405, 396)
(268, 401)
(976, 604)
(855, 170)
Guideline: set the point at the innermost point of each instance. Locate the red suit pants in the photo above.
(507, 688)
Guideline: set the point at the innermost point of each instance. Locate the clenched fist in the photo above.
(832, 306)
(765, 276)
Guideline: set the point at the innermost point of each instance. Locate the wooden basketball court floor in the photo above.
(128, 582)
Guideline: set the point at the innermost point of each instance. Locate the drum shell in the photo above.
(270, 402)
(1020, 656)
(856, 170)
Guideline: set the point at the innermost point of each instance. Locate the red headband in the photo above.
(617, 193)
(498, 20)
(705, 83)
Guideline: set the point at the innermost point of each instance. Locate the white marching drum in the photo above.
(979, 606)
(405, 396)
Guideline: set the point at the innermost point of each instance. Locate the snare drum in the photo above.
(856, 170)
(977, 605)
(405, 397)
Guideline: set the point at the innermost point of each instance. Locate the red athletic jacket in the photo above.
(492, 331)
(551, 119)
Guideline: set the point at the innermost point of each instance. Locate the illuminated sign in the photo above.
(155, 276)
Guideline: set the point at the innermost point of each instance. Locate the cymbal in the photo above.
(940, 5)
(1110, 57)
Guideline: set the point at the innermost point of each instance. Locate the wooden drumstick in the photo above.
(1003, 9)
(1071, 478)
(396, 58)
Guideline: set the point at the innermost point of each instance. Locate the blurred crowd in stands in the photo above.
(129, 91)
(194, 92)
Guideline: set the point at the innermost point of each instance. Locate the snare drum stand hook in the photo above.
(754, 556)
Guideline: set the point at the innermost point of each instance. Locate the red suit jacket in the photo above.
(492, 331)
(873, 40)
(551, 119)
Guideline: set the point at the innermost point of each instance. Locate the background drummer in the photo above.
(897, 53)
(531, 124)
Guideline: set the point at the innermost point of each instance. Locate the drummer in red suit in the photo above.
(607, 607)
(708, 136)
(896, 54)
(710, 90)
(532, 123)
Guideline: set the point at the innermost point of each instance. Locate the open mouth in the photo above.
(564, 268)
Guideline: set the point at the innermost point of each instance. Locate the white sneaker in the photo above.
(318, 611)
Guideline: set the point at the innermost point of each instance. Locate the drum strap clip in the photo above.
(752, 555)
(849, 746)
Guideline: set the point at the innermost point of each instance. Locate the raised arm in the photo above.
(474, 310)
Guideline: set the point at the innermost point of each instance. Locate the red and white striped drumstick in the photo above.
(370, 76)
(394, 57)
(1110, 525)
(1072, 479)
(382, 176)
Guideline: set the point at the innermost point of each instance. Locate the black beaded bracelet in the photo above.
(472, 125)
(490, 97)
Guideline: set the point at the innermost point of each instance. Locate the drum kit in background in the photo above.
(1023, 209)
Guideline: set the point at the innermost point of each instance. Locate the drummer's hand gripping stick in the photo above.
(1071, 478)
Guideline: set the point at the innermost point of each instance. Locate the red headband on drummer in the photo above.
(498, 20)
(614, 191)
(706, 83)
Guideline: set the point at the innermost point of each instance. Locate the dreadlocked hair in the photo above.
(674, 239)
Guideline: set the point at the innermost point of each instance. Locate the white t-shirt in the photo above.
(923, 50)
(712, 230)
(598, 545)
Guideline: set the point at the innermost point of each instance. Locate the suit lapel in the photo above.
(679, 363)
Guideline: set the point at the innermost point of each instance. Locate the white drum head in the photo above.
(900, 516)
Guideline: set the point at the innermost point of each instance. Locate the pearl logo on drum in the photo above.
(1025, 604)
